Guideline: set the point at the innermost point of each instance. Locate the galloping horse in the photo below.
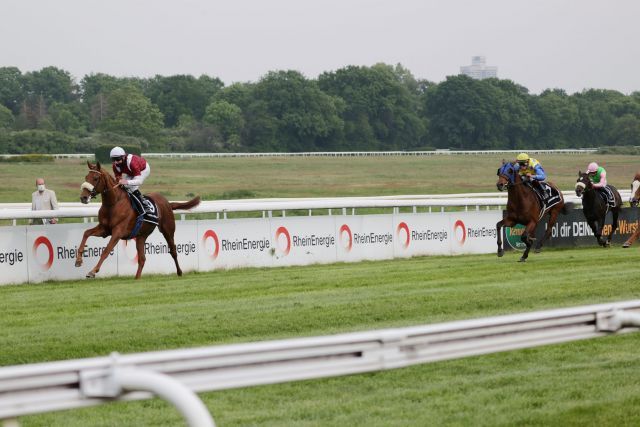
(524, 207)
(595, 208)
(633, 201)
(117, 218)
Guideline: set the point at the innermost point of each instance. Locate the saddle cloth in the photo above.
(547, 196)
(151, 214)
(607, 195)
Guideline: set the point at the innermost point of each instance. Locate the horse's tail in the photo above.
(185, 205)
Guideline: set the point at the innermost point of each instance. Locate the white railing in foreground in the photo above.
(13, 211)
(174, 375)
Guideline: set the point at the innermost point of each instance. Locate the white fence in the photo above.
(175, 375)
(12, 211)
(336, 153)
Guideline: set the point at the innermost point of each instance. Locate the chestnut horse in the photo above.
(524, 207)
(633, 201)
(595, 208)
(117, 218)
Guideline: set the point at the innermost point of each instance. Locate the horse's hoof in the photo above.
(500, 253)
(91, 275)
(537, 250)
(79, 263)
(606, 244)
(626, 245)
(522, 260)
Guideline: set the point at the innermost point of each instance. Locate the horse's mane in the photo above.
(637, 176)
(111, 181)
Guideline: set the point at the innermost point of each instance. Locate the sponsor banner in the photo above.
(13, 255)
(572, 230)
(53, 250)
(421, 234)
(303, 240)
(234, 243)
(474, 232)
(158, 258)
(367, 237)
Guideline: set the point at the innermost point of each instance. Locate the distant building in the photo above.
(478, 69)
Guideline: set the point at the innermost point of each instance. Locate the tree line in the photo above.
(355, 108)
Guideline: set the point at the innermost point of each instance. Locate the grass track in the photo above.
(583, 383)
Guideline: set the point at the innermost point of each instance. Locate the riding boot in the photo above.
(138, 204)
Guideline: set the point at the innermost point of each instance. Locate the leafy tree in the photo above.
(464, 114)
(226, 117)
(52, 84)
(6, 118)
(380, 111)
(556, 120)
(626, 130)
(12, 91)
(182, 94)
(68, 118)
(305, 118)
(131, 113)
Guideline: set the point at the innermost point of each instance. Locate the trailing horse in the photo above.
(595, 206)
(118, 219)
(525, 206)
(633, 201)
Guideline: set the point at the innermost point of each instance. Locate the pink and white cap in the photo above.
(592, 168)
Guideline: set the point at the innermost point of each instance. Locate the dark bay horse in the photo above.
(524, 207)
(595, 208)
(117, 218)
(633, 201)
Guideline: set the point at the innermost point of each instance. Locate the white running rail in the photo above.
(176, 374)
(13, 211)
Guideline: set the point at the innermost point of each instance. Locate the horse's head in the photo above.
(506, 175)
(635, 191)
(95, 182)
(583, 183)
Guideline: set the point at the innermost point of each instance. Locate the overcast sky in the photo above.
(540, 44)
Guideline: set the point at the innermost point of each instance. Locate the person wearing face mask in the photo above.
(43, 200)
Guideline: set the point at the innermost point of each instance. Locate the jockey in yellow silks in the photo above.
(530, 168)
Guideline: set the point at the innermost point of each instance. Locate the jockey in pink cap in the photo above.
(597, 174)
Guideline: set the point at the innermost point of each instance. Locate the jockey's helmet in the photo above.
(117, 153)
(523, 158)
(592, 168)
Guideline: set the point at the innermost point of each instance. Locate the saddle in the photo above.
(548, 196)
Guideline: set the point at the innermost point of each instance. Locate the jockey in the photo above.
(598, 176)
(531, 170)
(530, 167)
(130, 171)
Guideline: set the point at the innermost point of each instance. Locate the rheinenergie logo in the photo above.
(43, 241)
(345, 235)
(210, 234)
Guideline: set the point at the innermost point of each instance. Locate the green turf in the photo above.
(593, 382)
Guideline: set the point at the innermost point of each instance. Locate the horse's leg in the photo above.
(105, 254)
(527, 239)
(506, 222)
(553, 217)
(98, 230)
(596, 227)
(168, 230)
(142, 258)
(633, 237)
(614, 225)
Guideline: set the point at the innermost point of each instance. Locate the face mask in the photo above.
(41, 187)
